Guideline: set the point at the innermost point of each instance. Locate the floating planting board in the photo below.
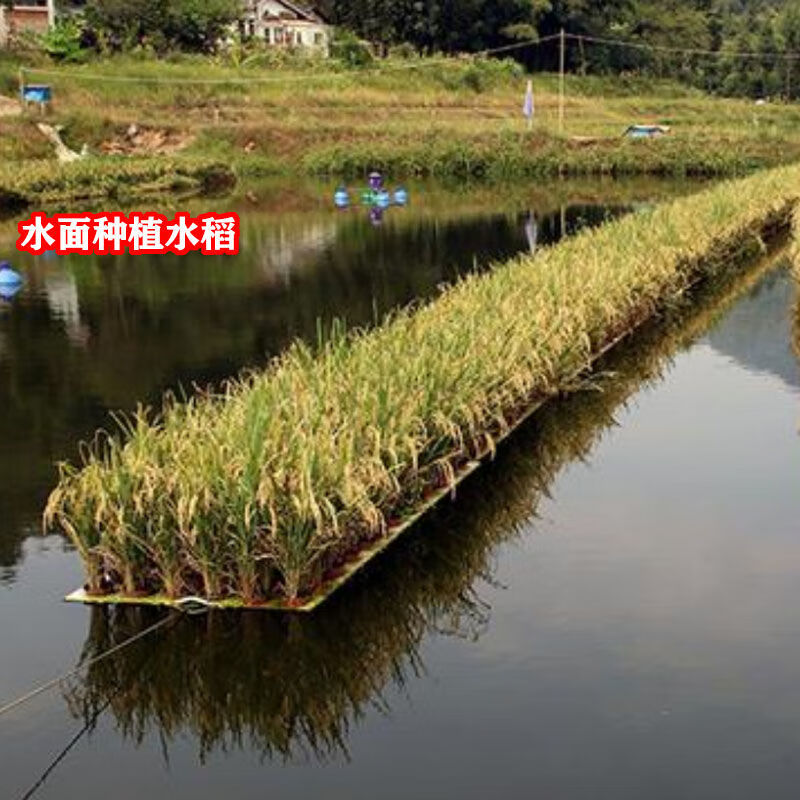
(675, 275)
(366, 553)
(326, 589)
(369, 551)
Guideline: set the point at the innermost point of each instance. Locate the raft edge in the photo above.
(234, 604)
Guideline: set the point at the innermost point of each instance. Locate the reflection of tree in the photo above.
(174, 320)
(42, 397)
(286, 685)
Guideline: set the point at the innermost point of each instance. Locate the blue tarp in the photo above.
(646, 131)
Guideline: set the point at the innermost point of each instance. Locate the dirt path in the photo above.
(9, 107)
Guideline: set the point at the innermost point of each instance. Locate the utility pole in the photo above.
(561, 63)
(51, 14)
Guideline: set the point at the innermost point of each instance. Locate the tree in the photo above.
(436, 25)
(196, 25)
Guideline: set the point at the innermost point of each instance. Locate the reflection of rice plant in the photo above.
(292, 687)
(267, 489)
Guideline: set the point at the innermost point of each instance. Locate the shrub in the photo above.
(193, 25)
(64, 42)
(350, 50)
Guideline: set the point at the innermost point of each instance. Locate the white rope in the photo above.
(8, 707)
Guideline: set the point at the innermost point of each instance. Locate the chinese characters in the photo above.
(136, 233)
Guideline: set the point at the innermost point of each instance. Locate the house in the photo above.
(32, 16)
(281, 23)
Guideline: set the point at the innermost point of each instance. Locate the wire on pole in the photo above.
(634, 45)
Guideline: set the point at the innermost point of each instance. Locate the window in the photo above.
(319, 39)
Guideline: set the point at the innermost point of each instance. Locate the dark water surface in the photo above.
(610, 610)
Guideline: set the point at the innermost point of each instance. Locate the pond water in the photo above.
(608, 610)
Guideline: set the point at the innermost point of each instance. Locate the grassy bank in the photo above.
(511, 155)
(38, 182)
(270, 490)
(443, 118)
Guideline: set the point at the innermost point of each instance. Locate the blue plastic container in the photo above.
(37, 93)
(383, 199)
(401, 196)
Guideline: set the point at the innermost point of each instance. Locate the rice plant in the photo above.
(335, 665)
(267, 489)
(44, 181)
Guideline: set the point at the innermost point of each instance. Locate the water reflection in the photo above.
(293, 686)
(91, 334)
(796, 323)
(758, 333)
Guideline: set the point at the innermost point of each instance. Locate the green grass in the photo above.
(437, 118)
(267, 490)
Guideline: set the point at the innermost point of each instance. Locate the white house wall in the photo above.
(277, 25)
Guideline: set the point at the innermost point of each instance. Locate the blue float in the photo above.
(8, 293)
(9, 276)
(10, 281)
(341, 197)
(374, 196)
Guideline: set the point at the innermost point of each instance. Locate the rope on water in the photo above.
(33, 693)
(91, 720)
